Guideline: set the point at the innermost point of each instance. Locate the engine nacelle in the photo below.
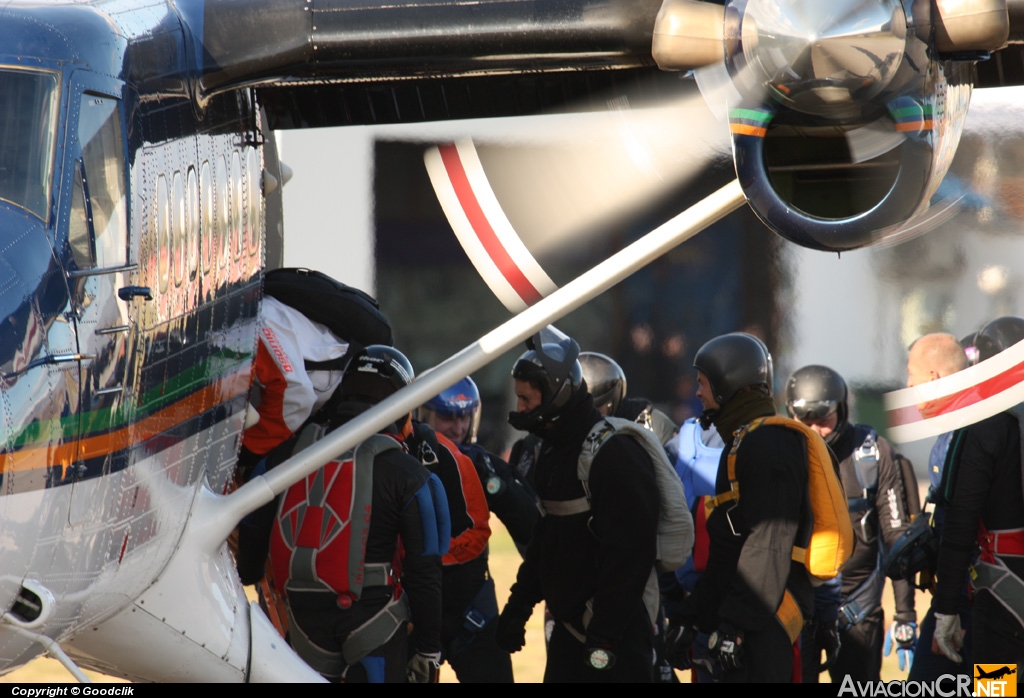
(846, 114)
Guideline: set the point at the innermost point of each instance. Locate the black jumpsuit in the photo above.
(592, 567)
(880, 520)
(750, 562)
(986, 462)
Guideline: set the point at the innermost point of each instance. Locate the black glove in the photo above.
(510, 629)
(726, 645)
(599, 653)
(679, 645)
(826, 636)
(423, 668)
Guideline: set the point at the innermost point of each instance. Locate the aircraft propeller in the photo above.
(843, 119)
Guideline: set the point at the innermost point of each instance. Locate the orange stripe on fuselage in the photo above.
(72, 451)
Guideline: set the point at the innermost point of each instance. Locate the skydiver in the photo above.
(984, 505)
(882, 497)
(931, 357)
(752, 596)
(470, 605)
(592, 555)
(455, 413)
(349, 615)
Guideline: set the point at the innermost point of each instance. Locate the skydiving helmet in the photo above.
(376, 373)
(815, 392)
(734, 361)
(551, 366)
(460, 400)
(998, 335)
(605, 379)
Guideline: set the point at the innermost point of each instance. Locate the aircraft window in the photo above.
(99, 132)
(192, 227)
(163, 228)
(223, 211)
(255, 182)
(206, 185)
(237, 233)
(28, 129)
(178, 225)
(78, 226)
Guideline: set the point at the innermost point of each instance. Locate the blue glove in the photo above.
(904, 636)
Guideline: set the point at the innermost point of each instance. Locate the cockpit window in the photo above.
(99, 132)
(28, 127)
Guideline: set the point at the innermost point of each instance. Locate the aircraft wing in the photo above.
(337, 62)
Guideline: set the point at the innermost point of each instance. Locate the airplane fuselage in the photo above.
(132, 246)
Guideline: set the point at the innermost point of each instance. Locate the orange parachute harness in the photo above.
(830, 543)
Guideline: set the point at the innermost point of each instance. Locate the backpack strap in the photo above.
(598, 434)
(865, 464)
(712, 502)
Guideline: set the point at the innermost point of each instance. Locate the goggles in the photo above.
(807, 410)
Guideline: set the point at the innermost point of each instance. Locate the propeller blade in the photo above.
(515, 204)
(482, 227)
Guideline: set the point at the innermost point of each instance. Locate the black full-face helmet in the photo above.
(605, 379)
(734, 361)
(551, 366)
(375, 373)
(815, 392)
(998, 335)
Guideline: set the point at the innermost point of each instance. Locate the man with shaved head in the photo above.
(982, 536)
(934, 356)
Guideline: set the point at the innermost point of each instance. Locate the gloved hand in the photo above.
(826, 636)
(510, 629)
(679, 644)
(600, 655)
(726, 645)
(904, 636)
(423, 667)
(948, 637)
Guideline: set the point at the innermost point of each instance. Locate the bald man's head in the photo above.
(934, 356)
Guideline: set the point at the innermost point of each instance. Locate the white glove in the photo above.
(948, 636)
(423, 668)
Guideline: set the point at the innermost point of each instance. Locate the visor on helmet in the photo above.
(806, 410)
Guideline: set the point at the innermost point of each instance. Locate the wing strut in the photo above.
(215, 516)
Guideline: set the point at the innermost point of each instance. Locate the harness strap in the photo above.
(863, 600)
(1006, 587)
(378, 574)
(1006, 542)
(568, 507)
(374, 633)
(588, 615)
(327, 663)
(377, 631)
(789, 615)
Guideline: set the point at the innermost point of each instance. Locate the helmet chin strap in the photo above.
(838, 432)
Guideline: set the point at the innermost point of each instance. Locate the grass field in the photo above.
(527, 664)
